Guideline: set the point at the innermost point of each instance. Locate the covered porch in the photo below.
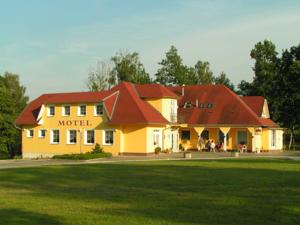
(246, 139)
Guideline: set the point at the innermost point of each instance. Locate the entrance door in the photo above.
(174, 141)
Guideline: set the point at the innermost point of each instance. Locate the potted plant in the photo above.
(235, 153)
(157, 150)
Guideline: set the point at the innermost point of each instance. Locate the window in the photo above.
(273, 138)
(89, 137)
(72, 137)
(54, 139)
(51, 110)
(242, 137)
(185, 135)
(82, 110)
(157, 138)
(42, 133)
(98, 109)
(205, 135)
(221, 137)
(173, 111)
(66, 110)
(108, 137)
(30, 133)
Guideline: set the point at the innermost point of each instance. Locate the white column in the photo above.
(225, 142)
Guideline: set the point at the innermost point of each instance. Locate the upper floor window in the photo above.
(42, 133)
(54, 138)
(89, 137)
(51, 110)
(98, 109)
(81, 110)
(30, 133)
(66, 111)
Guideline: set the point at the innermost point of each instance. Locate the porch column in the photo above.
(199, 130)
(225, 131)
(252, 131)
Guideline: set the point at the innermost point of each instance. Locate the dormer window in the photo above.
(187, 105)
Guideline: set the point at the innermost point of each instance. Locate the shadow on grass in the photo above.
(213, 192)
(19, 217)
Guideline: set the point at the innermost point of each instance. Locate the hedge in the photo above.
(83, 156)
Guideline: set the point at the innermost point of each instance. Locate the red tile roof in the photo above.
(154, 91)
(256, 103)
(124, 104)
(227, 108)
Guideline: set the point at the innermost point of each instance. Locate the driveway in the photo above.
(19, 163)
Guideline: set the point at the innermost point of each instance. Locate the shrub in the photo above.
(83, 156)
(157, 150)
(3, 152)
(97, 149)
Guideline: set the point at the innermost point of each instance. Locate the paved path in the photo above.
(4, 164)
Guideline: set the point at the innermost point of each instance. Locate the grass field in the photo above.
(234, 191)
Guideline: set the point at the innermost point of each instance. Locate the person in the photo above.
(212, 146)
(200, 143)
(207, 145)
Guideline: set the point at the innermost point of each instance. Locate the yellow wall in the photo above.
(42, 146)
(265, 139)
(163, 105)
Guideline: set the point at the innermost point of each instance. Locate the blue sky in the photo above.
(52, 45)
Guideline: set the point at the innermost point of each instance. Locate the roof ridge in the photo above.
(242, 102)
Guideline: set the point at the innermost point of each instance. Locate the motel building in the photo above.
(133, 119)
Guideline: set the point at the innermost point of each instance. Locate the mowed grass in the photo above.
(233, 191)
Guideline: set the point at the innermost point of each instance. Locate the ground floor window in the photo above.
(54, 138)
(157, 138)
(185, 135)
(89, 137)
(108, 137)
(72, 137)
(242, 137)
(273, 138)
(42, 133)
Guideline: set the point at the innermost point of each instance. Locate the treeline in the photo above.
(12, 101)
(276, 77)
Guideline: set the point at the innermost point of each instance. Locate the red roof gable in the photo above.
(256, 103)
(154, 91)
(131, 109)
(110, 102)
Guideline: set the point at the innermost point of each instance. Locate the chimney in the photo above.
(197, 103)
(182, 90)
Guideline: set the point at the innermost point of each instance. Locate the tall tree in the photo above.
(286, 90)
(128, 67)
(245, 88)
(203, 74)
(223, 79)
(172, 71)
(100, 78)
(12, 102)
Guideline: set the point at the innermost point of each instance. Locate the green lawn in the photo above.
(233, 191)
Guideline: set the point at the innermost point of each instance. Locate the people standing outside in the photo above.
(212, 146)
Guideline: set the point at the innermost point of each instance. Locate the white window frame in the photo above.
(85, 137)
(29, 134)
(49, 110)
(68, 137)
(64, 110)
(51, 136)
(104, 136)
(95, 109)
(157, 133)
(79, 110)
(40, 133)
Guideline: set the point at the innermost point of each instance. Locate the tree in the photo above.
(128, 67)
(223, 79)
(173, 71)
(100, 78)
(245, 88)
(12, 102)
(203, 74)
(287, 94)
